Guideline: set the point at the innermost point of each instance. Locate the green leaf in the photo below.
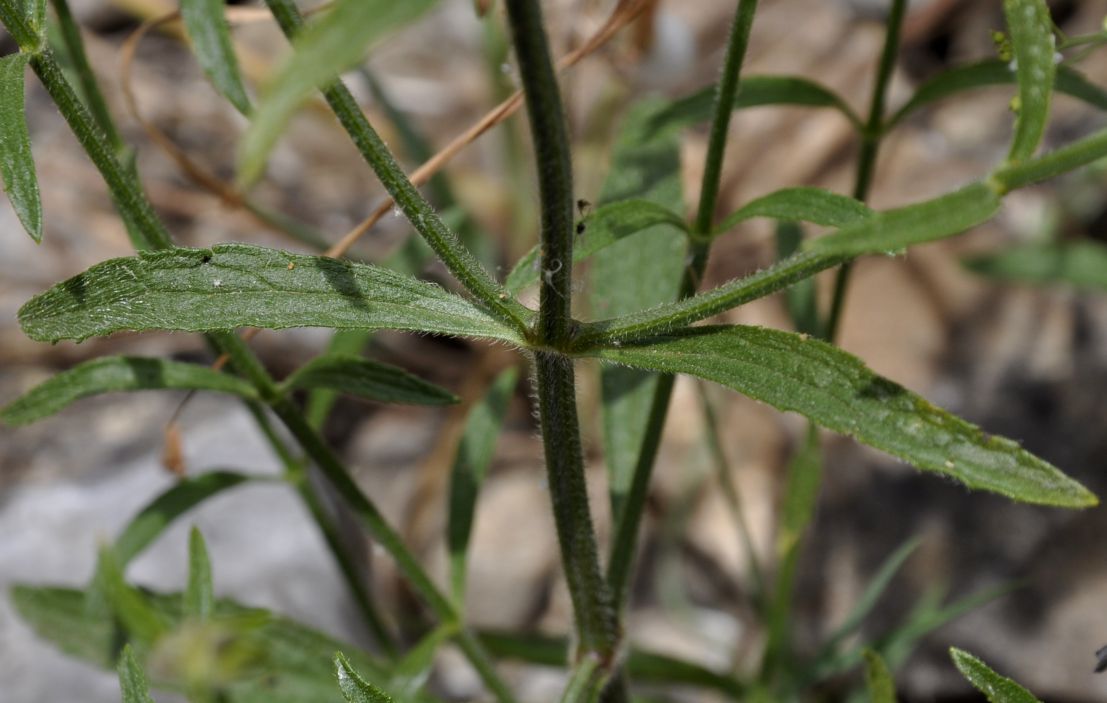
(411, 673)
(321, 52)
(805, 478)
(638, 272)
(1081, 264)
(17, 165)
(132, 679)
(115, 374)
(370, 379)
(871, 595)
(1033, 43)
(1068, 158)
(184, 495)
(236, 285)
(297, 660)
(140, 620)
(199, 597)
(993, 72)
(206, 24)
(882, 688)
(753, 91)
(886, 232)
(354, 688)
(837, 391)
(801, 298)
(821, 207)
(998, 689)
(607, 225)
(474, 456)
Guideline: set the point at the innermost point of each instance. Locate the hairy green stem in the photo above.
(458, 260)
(363, 509)
(596, 624)
(725, 92)
(124, 187)
(131, 198)
(295, 473)
(626, 531)
(870, 148)
(90, 87)
(555, 170)
(595, 618)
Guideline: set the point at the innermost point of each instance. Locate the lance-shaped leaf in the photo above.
(184, 495)
(636, 273)
(1081, 264)
(370, 379)
(837, 391)
(607, 225)
(112, 374)
(885, 232)
(130, 606)
(206, 25)
(878, 680)
(1033, 44)
(474, 456)
(754, 91)
(297, 659)
(815, 205)
(354, 688)
(199, 597)
(132, 679)
(997, 689)
(321, 52)
(17, 166)
(236, 285)
(993, 72)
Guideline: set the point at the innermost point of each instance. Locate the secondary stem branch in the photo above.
(596, 623)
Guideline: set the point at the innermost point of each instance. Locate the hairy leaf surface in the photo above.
(322, 51)
(206, 24)
(111, 374)
(354, 688)
(885, 232)
(815, 205)
(998, 689)
(837, 391)
(132, 680)
(1033, 43)
(993, 72)
(356, 375)
(607, 225)
(17, 165)
(237, 285)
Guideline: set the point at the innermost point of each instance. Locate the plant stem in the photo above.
(871, 137)
(626, 532)
(295, 474)
(124, 188)
(363, 509)
(555, 171)
(596, 623)
(131, 198)
(725, 93)
(460, 262)
(97, 105)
